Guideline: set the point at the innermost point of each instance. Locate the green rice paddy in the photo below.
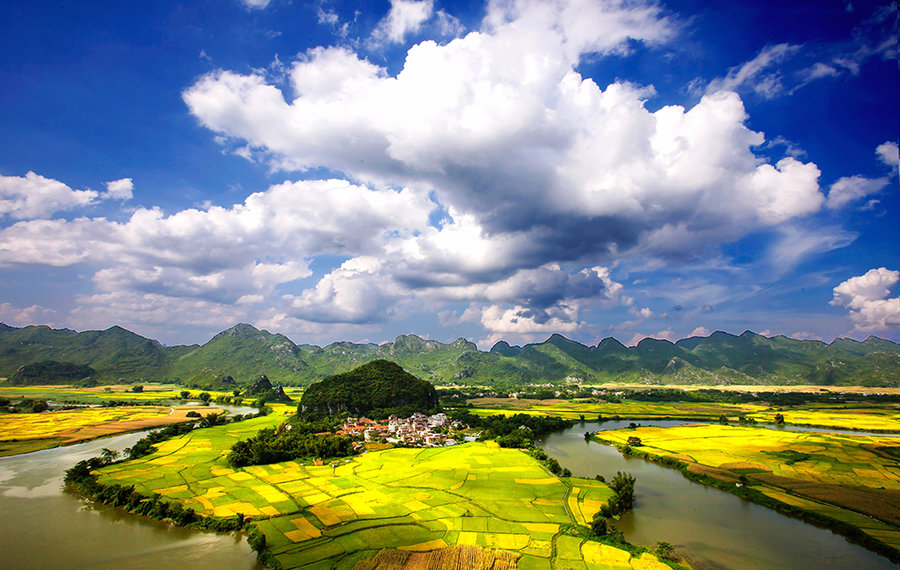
(337, 515)
(849, 478)
(574, 409)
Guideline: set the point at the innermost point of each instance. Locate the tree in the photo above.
(137, 388)
(204, 396)
(211, 420)
(779, 419)
(599, 526)
(622, 486)
(185, 394)
(554, 466)
(634, 441)
(665, 550)
(109, 455)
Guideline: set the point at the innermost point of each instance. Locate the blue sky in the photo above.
(503, 170)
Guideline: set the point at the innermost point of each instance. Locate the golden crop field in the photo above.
(755, 388)
(409, 500)
(152, 393)
(110, 392)
(883, 417)
(850, 477)
(21, 433)
(854, 416)
(573, 409)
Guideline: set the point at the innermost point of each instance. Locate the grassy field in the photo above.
(573, 409)
(151, 393)
(853, 416)
(755, 388)
(407, 500)
(849, 478)
(23, 433)
(884, 417)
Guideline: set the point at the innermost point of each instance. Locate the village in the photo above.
(418, 429)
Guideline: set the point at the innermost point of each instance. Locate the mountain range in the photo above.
(244, 353)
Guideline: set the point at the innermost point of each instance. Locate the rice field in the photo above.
(884, 417)
(152, 392)
(854, 416)
(414, 501)
(755, 388)
(850, 478)
(573, 410)
(21, 433)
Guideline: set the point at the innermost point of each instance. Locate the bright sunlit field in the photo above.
(408, 499)
(21, 433)
(850, 478)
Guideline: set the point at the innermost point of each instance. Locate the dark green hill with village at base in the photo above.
(243, 353)
(375, 390)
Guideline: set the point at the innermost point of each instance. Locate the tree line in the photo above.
(290, 441)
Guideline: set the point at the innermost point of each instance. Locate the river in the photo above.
(45, 527)
(714, 529)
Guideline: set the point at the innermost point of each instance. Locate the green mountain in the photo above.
(114, 353)
(376, 389)
(244, 353)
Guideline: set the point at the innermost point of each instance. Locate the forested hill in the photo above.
(376, 389)
(244, 353)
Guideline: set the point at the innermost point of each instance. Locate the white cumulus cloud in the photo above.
(519, 320)
(486, 171)
(868, 298)
(24, 316)
(851, 188)
(221, 254)
(516, 144)
(405, 17)
(121, 189)
(889, 153)
(34, 196)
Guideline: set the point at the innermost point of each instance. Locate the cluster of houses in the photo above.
(418, 429)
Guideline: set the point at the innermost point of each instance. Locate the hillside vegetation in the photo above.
(244, 353)
(376, 389)
(52, 372)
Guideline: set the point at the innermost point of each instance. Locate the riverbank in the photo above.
(47, 527)
(415, 500)
(25, 433)
(710, 528)
(844, 483)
